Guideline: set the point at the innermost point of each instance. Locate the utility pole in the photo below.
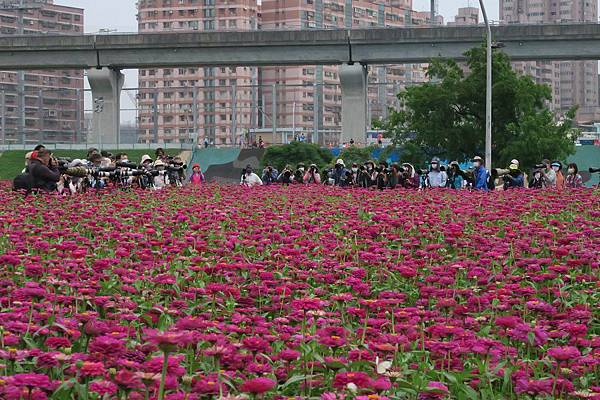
(488, 91)
(432, 16)
(19, 7)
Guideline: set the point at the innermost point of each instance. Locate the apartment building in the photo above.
(573, 83)
(40, 106)
(466, 16)
(179, 104)
(308, 98)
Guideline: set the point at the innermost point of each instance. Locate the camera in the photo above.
(539, 166)
(423, 172)
(594, 170)
(126, 164)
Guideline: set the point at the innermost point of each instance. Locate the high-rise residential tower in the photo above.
(216, 103)
(574, 83)
(40, 106)
(308, 98)
(466, 16)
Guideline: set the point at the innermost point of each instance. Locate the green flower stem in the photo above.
(163, 377)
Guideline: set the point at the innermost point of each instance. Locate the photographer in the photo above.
(394, 176)
(382, 175)
(410, 179)
(537, 181)
(249, 178)
(574, 180)
(269, 175)
(285, 177)
(299, 174)
(43, 169)
(455, 179)
(436, 177)
(160, 179)
(312, 176)
(339, 173)
(363, 178)
(480, 175)
(146, 180)
(514, 178)
(176, 171)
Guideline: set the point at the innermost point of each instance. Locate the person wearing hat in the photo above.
(146, 161)
(560, 178)
(436, 178)
(339, 173)
(160, 180)
(480, 174)
(196, 178)
(514, 178)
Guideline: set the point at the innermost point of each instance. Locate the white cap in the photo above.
(145, 158)
(159, 163)
(515, 161)
(341, 162)
(76, 163)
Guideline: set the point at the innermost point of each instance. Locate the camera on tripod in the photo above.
(594, 170)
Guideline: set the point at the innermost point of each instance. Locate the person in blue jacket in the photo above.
(480, 174)
(514, 179)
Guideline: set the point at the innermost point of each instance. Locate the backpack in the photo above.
(23, 182)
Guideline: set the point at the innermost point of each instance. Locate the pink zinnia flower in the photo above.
(361, 379)
(103, 388)
(258, 385)
(92, 369)
(31, 381)
(565, 353)
(332, 336)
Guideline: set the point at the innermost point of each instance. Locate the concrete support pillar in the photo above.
(353, 79)
(106, 87)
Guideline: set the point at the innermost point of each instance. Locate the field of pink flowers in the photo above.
(300, 293)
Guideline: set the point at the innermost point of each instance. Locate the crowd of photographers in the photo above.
(44, 172)
(547, 174)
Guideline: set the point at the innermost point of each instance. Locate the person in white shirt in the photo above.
(161, 180)
(249, 178)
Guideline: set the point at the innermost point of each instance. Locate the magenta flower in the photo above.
(258, 385)
(566, 353)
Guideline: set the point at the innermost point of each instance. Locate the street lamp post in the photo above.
(488, 91)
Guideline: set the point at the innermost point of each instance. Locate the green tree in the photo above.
(295, 153)
(359, 155)
(446, 117)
